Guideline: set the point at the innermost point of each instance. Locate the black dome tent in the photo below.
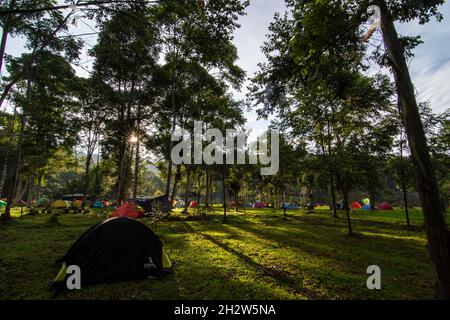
(115, 250)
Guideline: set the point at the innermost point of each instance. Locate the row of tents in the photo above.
(293, 206)
(382, 207)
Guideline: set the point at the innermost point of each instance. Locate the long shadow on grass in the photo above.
(328, 233)
(277, 275)
(367, 225)
(331, 245)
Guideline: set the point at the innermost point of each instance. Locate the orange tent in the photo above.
(355, 205)
(77, 203)
(127, 210)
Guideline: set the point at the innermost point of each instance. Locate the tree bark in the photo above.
(372, 200)
(331, 171)
(207, 188)
(345, 192)
(15, 170)
(136, 160)
(86, 176)
(224, 193)
(186, 198)
(403, 178)
(5, 33)
(175, 183)
(437, 231)
(31, 190)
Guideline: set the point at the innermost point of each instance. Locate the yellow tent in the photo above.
(60, 204)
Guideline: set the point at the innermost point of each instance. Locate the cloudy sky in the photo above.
(430, 69)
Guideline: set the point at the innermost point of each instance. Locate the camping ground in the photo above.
(254, 255)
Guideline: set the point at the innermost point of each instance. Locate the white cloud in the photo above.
(430, 68)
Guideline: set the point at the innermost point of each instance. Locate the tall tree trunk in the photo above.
(207, 188)
(174, 123)
(31, 190)
(345, 192)
(283, 199)
(15, 170)
(6, 154)
(403, 178)
(224, 193)
(331, 170)
(5, 33)
(333, 194)
(187, 189)
(122, 155)
(39, 186)
(3, 164)
(136, 171)
(175, 183)
(372, 200)
(436, 227)
(21, 189)
(86, 176)
(210, 187)
(136, 160)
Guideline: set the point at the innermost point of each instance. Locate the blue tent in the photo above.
(290, 206)
(97, 204)
(366, 207)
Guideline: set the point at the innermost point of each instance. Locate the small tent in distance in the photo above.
(385, 207)
(60, 204)
(98, 204)
(127, 210)
(355, 205)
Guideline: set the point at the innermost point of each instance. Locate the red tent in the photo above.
(127, 210)
(193, 204)
(385, 206)
(355, 205)
(259, 205)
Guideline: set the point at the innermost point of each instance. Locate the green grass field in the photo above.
(256, 255)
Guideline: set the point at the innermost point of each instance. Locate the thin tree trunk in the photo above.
(224, 191)
(21, 189)
(5, 33)
(331, 170)
(403, 178)
(31, 190)
(38, 186)
(97, 173)
(86, 177)
(372, 200)
(15, 170)
(346, 205)
(207, 188)
(6, 155)
(436, 227)
(136, 160)
(188, 182)
(175, 183)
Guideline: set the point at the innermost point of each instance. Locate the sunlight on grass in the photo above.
(254, 255)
